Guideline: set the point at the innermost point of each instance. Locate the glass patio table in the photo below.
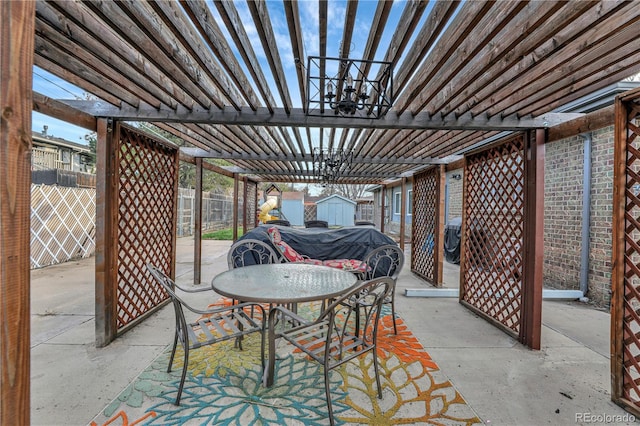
(283, 283)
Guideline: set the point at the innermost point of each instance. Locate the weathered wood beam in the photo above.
(64, 112)
(309, 173)
(297, 118)
(260, 16)
(171, 32)
(205, 22)
(493, 40)
(297, 46)
(560, 50)
(92, 34)
(594, 120)
(503, 53)
(463, 23)
(429, 33)
(233, 22)
(198, 152)
(152, 46)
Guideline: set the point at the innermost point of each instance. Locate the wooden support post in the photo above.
(254, 214)
(245, 204)
(16, 53)
(197, 232)
(383, 194)
(618, 253)
(438, 237)
(235, 206)
(531, 319)
(106, 282)
(403, 211)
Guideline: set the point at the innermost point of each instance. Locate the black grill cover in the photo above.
(452, 240)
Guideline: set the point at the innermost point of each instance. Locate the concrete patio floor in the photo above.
(567, 382)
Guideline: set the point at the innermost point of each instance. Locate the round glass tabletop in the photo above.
(283, 283)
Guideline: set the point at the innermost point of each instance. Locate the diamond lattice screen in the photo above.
(63, 224)
(146, 222)
(250, 205)
(425, 203)
(493, 232)
(631, 303)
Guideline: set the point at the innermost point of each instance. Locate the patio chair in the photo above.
(333, 339)
(251, 252)
(215, 325)
(385, 261)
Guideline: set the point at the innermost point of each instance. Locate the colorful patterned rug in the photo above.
(223, 387)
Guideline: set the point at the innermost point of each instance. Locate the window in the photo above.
(396, 203)
(410, 202)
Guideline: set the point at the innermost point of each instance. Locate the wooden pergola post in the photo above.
(106, 279)
(383, 194)
(197, 232)
(16, 51)
(235, 206)
(530, 328)
(403, 211)
(245, 204)
(438, 235)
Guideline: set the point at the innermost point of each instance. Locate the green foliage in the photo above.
(223, 234)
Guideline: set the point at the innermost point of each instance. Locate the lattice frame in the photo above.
(492, 265)
(250, 205)
(625, 360)
(63, 224)
(146, 222)
(424, 231)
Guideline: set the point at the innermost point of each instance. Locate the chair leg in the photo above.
(376, 371)
(327, 390)
(184, 373)
(173, 352)
(393, 313)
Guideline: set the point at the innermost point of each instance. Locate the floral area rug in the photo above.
(224, 387)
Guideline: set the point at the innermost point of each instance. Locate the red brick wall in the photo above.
(563, 215)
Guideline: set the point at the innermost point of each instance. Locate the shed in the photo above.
(293, 207)
(337, 210)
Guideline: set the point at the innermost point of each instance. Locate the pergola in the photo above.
(268, 87)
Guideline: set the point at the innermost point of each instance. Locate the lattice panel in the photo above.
(63, 224)
(425, 202)
(250, 205)
(146, 222)
(631, 303)
(493, 240)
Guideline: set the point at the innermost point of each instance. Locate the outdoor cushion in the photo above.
(293, 256)
(290, 254)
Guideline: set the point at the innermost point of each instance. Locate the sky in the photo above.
(56, 88)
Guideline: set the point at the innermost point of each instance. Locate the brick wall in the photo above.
(601, 216)
(454, 195)
(563, 215)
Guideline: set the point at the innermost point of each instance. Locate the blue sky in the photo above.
(53, 87)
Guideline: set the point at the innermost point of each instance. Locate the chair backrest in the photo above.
(384, 261)
(316, 224)
(251, 252)
(364, 300)
(170, 287)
